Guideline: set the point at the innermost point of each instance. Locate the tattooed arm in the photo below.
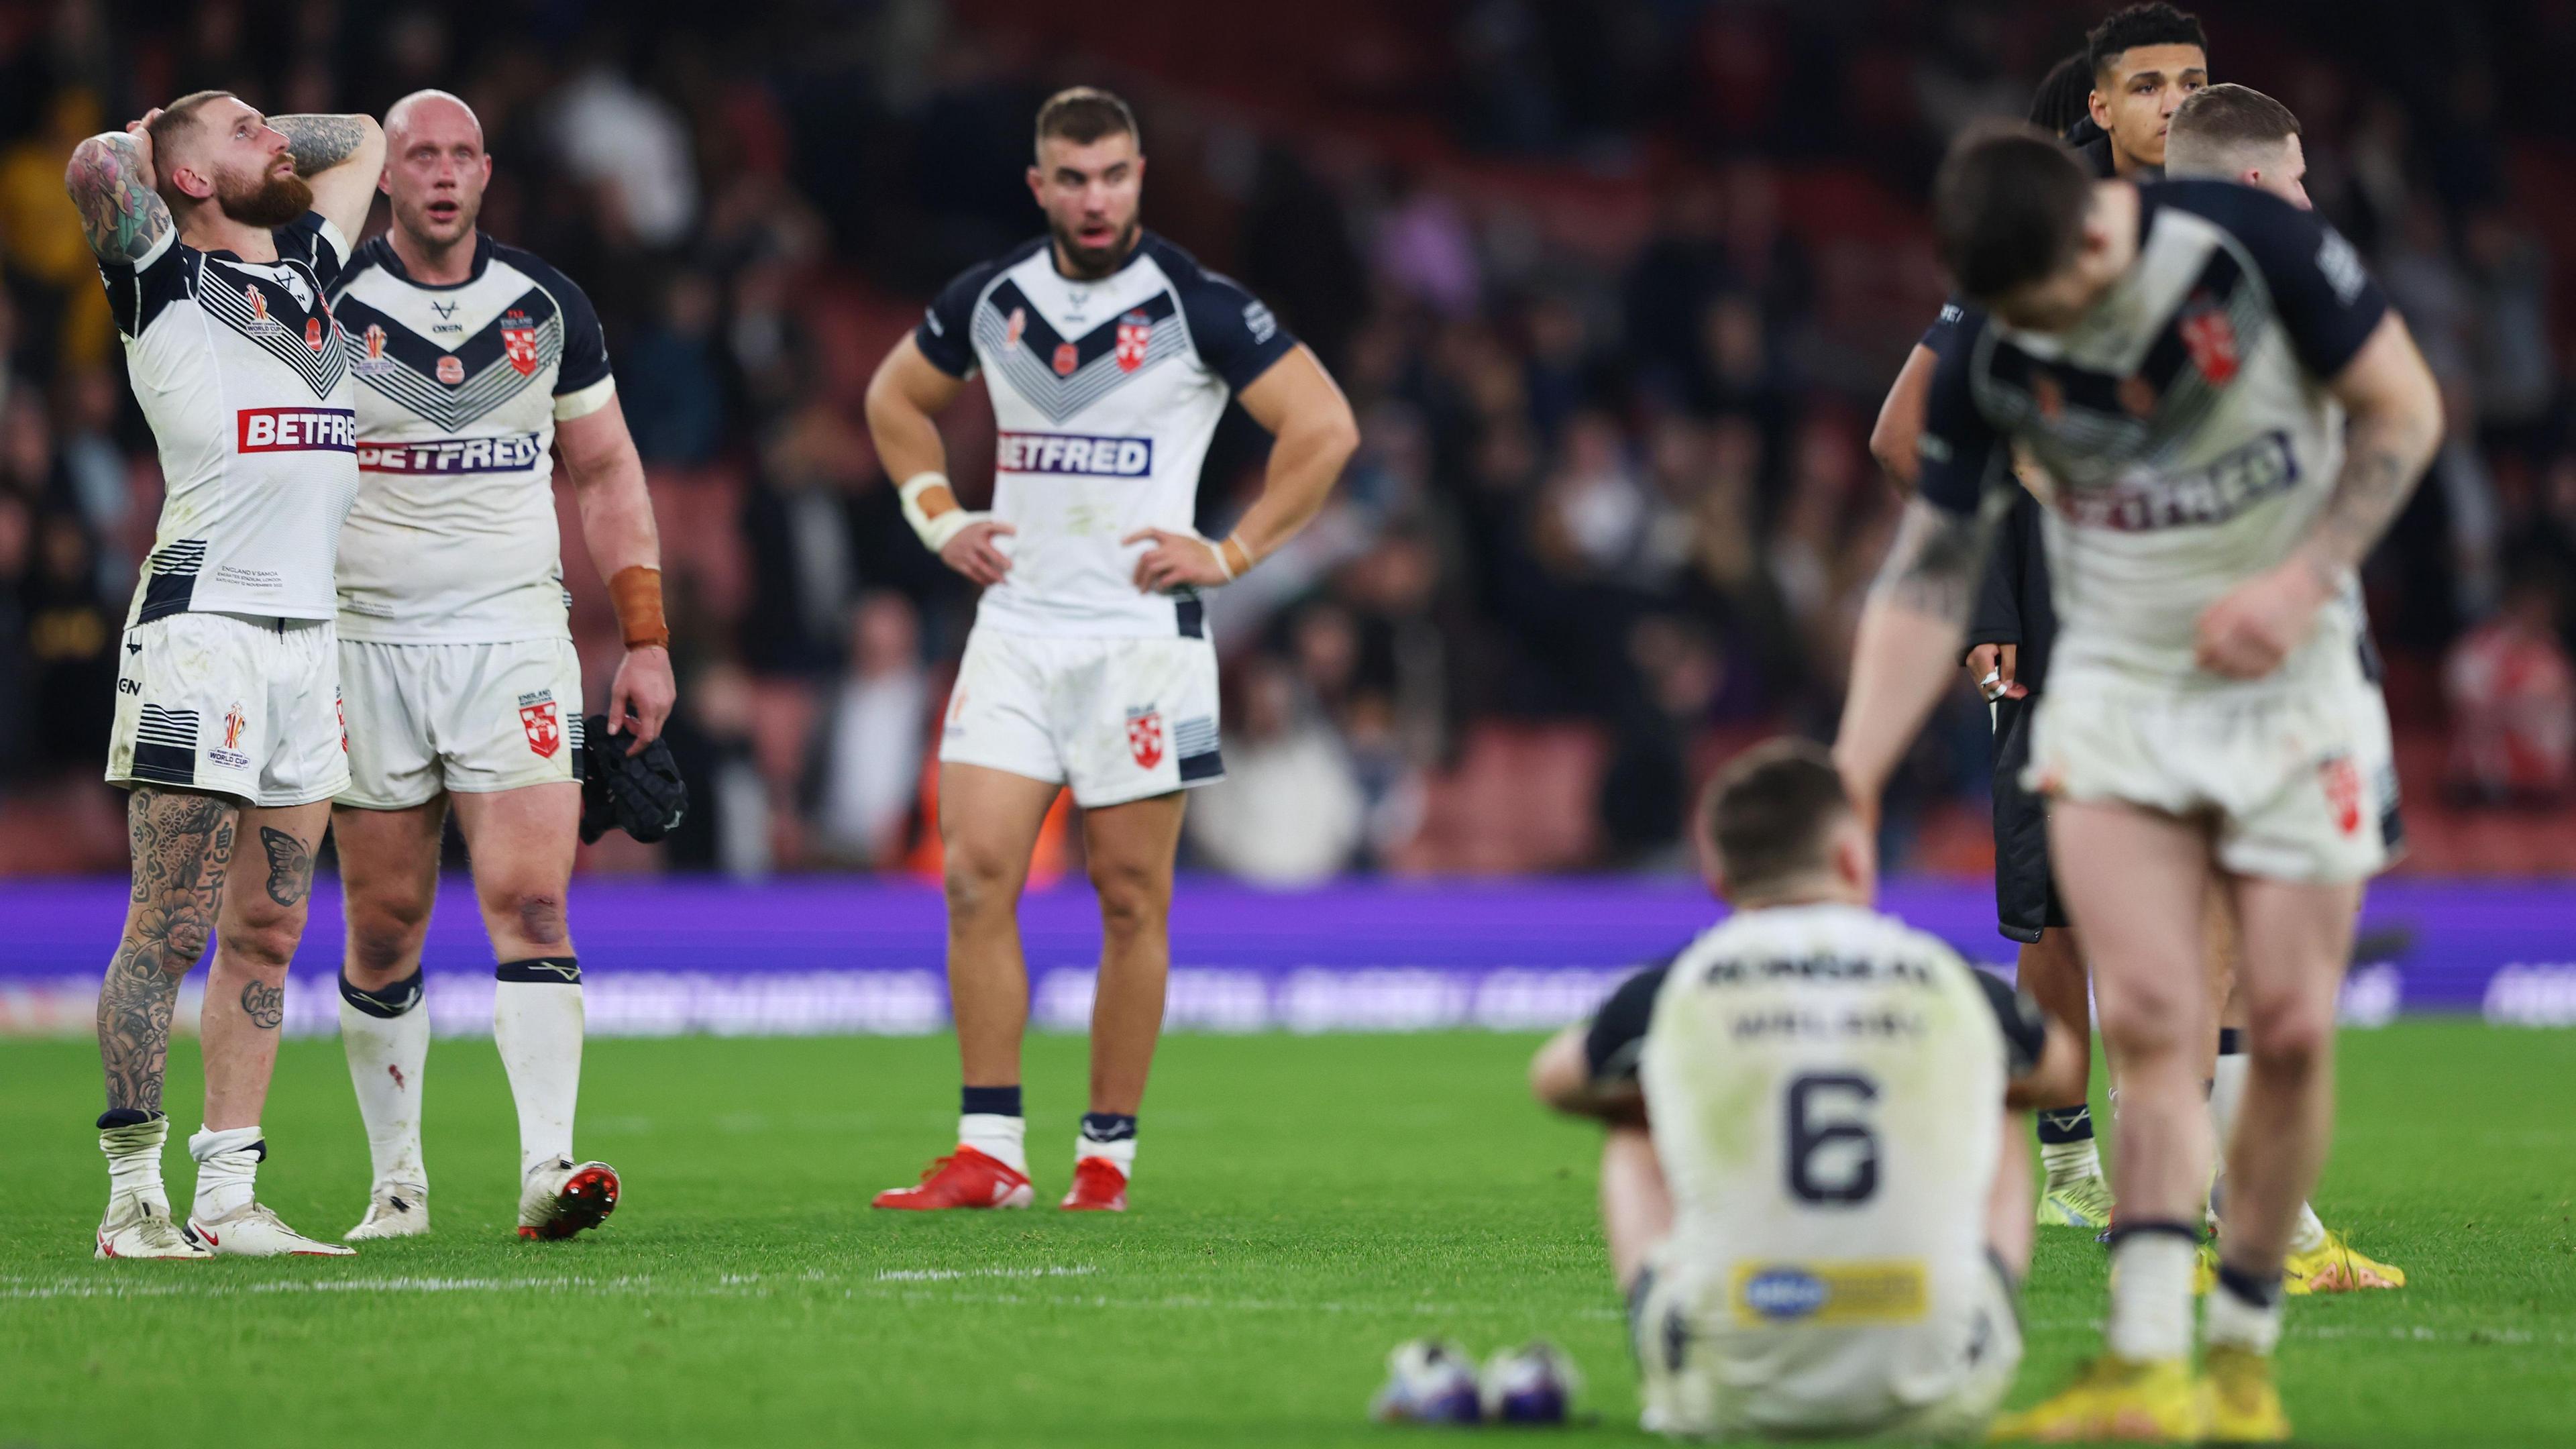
(1910, 632)
(2396, 424)
(110, 181)
(341, 157)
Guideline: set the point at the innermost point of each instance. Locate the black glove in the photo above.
(641, 794)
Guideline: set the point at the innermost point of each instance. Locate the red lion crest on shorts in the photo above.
(1145, 737)
(2343, 792)
(544, 727)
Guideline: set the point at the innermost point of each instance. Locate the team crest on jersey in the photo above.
(1067, 358)
(542, 722)
(1014, 326)
(519, 342)
(1135, 331)
(451, 369)
(2211, 340)
(1145, 737)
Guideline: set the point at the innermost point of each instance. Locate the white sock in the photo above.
(2151, 1295)
(2238, 1322)
(1120, 1154)
(386, 1036)
(2071, 1162)
(227, 1168)
(2310, 1234)
(536, 1023)
(134, 1161)
(1004, 1139)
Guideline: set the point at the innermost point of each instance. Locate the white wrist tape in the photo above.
(936, 530)
(1217, 546)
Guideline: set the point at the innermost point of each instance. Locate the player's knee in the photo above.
(385, 933)
(185, 945)
(536, 912)
(1133, 896)
(2290, 1035)
(264, 943)
(1556, 1072)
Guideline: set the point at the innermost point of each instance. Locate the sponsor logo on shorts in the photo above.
(1836, 1294)
(229, 753)
(1145, 736)
(1061, 453)
(2342, 781)
(2145, 502)
(542, 722)
(297, 430)
(508, 453)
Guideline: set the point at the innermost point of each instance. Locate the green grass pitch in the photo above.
(1303, 1204)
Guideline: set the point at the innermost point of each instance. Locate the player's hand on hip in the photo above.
(2254, 626)
(974, 552)
(1176, 559)
(640, 699)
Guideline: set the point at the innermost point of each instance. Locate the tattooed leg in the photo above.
(182, 844)
(246, 990)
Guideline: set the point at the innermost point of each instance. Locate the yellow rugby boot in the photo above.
(2243, 1404)
(2083, 1202)
(2335, 1266)
(2154, 1402)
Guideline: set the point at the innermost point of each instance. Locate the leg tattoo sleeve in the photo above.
(182, 844)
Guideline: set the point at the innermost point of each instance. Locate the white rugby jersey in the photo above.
(1105, 394)
(2184, 421)
(1826, 1089)
(453, 539)
(237, 366)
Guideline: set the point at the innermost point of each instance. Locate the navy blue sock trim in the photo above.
(989, 1101)
(2166, 1226)
(1108, 1126)
(2249, 1290)
(385, 1002)
(2231, 1042)
(123, 1117)
(2058, 1127)
(540, 971)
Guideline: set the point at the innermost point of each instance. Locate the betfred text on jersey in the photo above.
(298, 430)
(1087, 457)
(2225, 488)
(507, 453)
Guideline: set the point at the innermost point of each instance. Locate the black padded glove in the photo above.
(641, 794)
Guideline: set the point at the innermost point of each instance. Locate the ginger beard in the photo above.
(274, 198)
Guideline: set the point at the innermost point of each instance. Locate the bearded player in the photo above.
(1109, 355)
(217, 232)
(2180, 361)
(476, 363)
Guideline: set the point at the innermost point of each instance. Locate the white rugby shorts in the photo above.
(469, 718)
(239, 706)
(1693, 1386)
(1116, 719)
(2301, 778)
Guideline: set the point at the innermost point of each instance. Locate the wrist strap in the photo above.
(636, 593)
(1233, 557)
(930, 506)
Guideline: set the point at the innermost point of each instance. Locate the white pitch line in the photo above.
(2362, 1333)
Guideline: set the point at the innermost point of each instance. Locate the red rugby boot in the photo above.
(968, 1179)
(1098, 1187)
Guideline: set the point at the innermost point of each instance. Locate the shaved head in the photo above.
(435, 172)
(440, 109)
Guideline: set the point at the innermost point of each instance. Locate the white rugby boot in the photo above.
(394, 1210)
(252, 1231)
(559, 1199)
(138, 1227)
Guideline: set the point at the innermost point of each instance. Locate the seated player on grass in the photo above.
(1823, 1230)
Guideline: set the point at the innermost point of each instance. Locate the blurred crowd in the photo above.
(1615, 286)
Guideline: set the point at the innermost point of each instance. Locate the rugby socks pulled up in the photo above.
(536, 1022)
(2244, 1311)
(2151, 1290)
(2066, 1146)
(385, 1033)
(132, 1141)
(227, 1169)
(989, 1120)
(1110, 1136)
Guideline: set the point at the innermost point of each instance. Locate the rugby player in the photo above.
(218, 232)
(2236, 133)
(476, 362)
(2137, 67)
(2171, 356)
(1109, 355)
(1813, 1194)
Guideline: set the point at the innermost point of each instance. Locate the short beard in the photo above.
(277, 201)
(1093, 263)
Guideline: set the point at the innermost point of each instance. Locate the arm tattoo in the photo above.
(2379, 475)
(290, 866)
(265, 1005)
(183, 844)
(319, 143)
(120, 213)
(1939, 558)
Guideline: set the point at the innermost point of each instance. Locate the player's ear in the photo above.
(1037, 187)
(189, 182)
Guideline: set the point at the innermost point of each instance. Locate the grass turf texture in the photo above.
(1304, 1204)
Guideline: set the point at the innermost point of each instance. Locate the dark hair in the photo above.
(177, 121)
(2007, 208)
(2152, 24)
(2221, 118)
(1769, 811)
(2064, 95)
(1084, 114)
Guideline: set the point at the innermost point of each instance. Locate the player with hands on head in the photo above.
(1109, 354)
(217, 231)
(477, 364)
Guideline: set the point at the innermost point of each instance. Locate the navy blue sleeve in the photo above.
(2321, 292)
(137, 291)
(1962, 454)
(1997, 619)
(1237, 337)
(302, 240)
(585, 347)
(946, 335)
(1944, 331)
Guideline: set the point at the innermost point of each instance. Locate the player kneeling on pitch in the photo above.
(1814, 1190)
